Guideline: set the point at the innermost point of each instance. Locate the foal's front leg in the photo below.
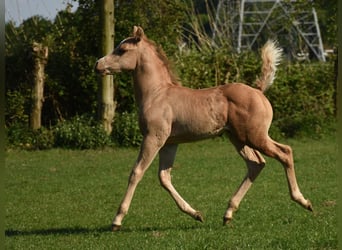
(167, 156)
(148, 151)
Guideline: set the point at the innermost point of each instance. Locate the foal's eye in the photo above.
(119, 51)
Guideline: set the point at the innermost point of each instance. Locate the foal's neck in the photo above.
(150, 76)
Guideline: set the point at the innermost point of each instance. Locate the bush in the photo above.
(126, 130)
(81, 132)
(17, 107)
(22, 137)
(303, 99)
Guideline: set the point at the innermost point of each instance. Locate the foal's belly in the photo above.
(194, 132)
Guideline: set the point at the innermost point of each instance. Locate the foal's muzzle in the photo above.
(95, 67)
(98, 69)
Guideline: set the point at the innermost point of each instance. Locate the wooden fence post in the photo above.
(106, 102)
(40, 55)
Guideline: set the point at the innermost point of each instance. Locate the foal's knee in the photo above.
(287, 156)
(136, 175)
(287, 150)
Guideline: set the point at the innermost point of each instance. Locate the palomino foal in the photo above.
(170, 114)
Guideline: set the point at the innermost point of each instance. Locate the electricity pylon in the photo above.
(248, 23)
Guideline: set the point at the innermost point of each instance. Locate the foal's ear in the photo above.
(138, 33)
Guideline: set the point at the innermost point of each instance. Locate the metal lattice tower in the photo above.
(249, 23)
(226, 19)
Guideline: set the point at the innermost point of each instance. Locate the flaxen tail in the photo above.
(270, 55)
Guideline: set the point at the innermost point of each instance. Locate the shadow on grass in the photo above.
(83, 230)
(56, 231)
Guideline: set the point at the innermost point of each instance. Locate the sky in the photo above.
(19, 10)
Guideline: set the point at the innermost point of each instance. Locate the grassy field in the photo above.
(64, 199)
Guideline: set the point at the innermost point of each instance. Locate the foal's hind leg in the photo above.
(166, 159)
(283, 154)
(255, 163)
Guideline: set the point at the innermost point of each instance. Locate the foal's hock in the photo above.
(170, 114)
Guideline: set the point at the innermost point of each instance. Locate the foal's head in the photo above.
(127, 55)
(124, 56)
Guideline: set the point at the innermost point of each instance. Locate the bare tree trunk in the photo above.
(40, 54)
(106, 102)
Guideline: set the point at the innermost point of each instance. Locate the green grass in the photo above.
(64, 199)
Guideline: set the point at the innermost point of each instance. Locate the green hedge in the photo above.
(126, 130)
(20, 136)
(81, 132)
(302, 97)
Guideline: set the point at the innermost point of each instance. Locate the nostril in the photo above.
(95, 67)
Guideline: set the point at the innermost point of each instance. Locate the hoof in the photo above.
(226, 220)
(309, 206)
(198, 216)
(116, 228)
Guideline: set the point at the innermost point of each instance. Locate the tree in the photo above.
(106, 102)
(22, 64)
